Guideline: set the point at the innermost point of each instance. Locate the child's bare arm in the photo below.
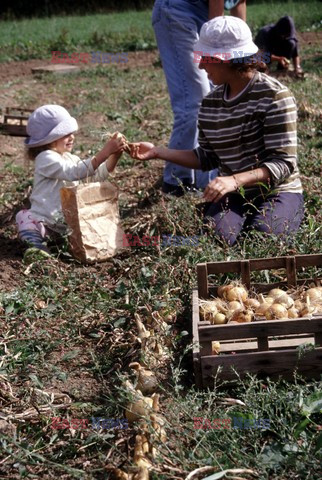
(112, 148)
(112, 160)
(147, 151)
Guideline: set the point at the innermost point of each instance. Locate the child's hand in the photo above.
(116, 144)
(111, 151)
(143, 151)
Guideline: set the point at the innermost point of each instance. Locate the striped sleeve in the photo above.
(280, 136)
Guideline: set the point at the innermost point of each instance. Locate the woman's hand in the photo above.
(219, 187)
(299, 72)
(284, 62)
(143, 151)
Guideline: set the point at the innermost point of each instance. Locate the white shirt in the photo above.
(54, 171)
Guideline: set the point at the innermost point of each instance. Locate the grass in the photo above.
(68, 331)
(37, 38)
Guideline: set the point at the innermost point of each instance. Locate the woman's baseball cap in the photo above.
(225, 38)
(48, 124)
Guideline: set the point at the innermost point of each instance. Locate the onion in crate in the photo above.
(276, 311)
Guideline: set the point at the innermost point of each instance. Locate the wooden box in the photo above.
(15, 121)
(267, 348)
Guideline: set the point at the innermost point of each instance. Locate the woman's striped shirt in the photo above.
(254, 129)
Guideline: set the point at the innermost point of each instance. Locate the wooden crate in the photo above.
(267, 348)
(15, 121)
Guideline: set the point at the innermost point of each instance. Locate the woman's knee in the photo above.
(227, 229)
(282, 216)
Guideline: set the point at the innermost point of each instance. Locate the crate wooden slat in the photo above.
(15, 121)
(273, 348)
(275, 364)
(252, 344)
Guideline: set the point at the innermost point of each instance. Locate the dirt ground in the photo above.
(12, 70)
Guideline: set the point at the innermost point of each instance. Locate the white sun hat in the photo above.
(48, 124)
(225, 38)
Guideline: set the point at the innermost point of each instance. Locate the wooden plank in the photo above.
(245, 273)
(195, 339)
(195, 321)
(291, 271)
(223, 267)
(272, 364)
(13, 130)
(14, 117)
(264, 264)
(18, 109)
(255, 264)
(313, 260)
(263, 343)
(273, 344)
(202, 277)
(60, 69)
(318, 339)
(260, 329)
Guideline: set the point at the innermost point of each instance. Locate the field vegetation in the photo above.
(27, 38)
(68, 332)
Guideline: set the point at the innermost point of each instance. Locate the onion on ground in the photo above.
(139, 407)
(146, 380)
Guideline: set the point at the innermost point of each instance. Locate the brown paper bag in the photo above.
(92, 215)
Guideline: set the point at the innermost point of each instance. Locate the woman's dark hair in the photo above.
(32, 152)
(246, 64)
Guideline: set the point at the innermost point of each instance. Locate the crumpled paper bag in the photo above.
(92, 215)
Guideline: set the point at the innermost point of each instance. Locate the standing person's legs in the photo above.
(239, 10)
(176, 29)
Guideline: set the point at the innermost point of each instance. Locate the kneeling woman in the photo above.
(247, 129)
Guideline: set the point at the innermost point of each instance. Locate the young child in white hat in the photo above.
(51, 137)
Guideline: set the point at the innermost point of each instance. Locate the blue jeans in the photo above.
(177, 24)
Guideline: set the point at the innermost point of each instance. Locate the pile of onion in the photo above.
(235, 305)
